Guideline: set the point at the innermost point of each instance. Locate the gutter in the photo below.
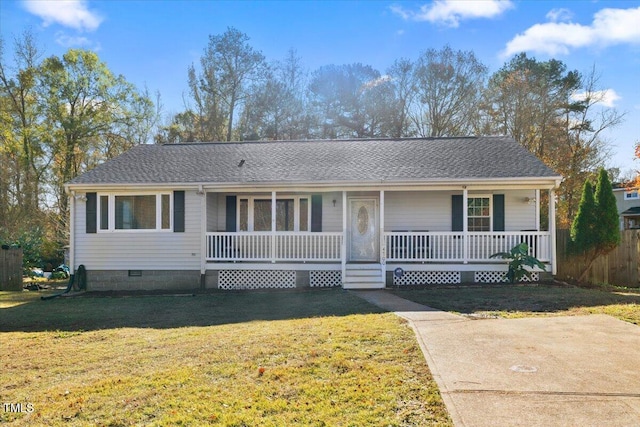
(538, 182)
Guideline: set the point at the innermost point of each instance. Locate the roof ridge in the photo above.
(333, 140)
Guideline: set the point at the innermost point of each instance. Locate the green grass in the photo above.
(511, 301)
(279, 358)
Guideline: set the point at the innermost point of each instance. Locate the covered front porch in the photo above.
(363, 238)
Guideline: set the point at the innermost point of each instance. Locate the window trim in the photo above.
(250, 212)
(490, 216)
(111, 212)
(631, 194)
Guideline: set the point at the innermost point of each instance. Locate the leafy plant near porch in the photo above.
(519, 261)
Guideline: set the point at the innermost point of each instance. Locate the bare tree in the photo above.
(354, 101)
(449, 84)
(22, 121)
(276, 107)
(229, 66)
(402, 77)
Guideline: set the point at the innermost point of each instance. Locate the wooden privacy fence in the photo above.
(11, 269)
(619, 267)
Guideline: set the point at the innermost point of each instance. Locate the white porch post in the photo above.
(383, 244)
(273, 226)
(465, 225)
(537, 196)
(552, 230)
(203, 232)
(343, 250)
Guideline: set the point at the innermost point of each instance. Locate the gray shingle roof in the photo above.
(372, 160)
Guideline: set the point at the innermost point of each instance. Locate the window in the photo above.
(135, 212)
(479, 213)
(631, 195)
(104, 212)
(262, 215)
(292, 213)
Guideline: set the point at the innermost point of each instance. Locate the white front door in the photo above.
(363, 230)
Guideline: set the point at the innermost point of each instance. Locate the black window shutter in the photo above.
(178, 211)
(91, 212)
(231, 214)
(498, 212)
(457, 213)
(316, 212)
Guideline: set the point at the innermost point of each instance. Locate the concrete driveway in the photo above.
(547, 371)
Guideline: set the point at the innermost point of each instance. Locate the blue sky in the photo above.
(153, 42)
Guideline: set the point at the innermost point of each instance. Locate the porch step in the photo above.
(363, 276)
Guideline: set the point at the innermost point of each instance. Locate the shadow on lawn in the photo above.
(538, 298)
(153, 311)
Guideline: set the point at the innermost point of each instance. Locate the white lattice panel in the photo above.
(499, 277)
(256, 279)
(427, 278)
(325, 278)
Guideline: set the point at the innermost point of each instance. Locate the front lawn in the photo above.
(529, 300)
(317, 358)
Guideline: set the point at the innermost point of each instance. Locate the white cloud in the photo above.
(69, 13)
(607, 97)
(376, 82)
(71, 41)
(399, 10)
(451, 12)
(609, 27)
(561, 14)
(68, 41)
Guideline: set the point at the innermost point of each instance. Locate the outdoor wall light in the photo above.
(334, 202)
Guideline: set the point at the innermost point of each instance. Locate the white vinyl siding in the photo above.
(417, 211)
(332, 215)
(520, 214)
(431, 211)
(152, 250)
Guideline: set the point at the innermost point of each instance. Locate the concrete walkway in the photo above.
(547, 371)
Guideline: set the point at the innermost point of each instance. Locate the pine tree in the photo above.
(595, 231)
(582, 229)
(607, 229)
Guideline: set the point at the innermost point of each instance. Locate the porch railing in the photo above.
(266, 246)
(405, 246)
(411, 246)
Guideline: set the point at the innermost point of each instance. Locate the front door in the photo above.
(363, 230)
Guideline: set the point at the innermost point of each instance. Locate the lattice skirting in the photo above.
(325, 278)
(499, 277)
(427, 278)
(256, 279)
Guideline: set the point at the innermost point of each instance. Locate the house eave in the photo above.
(433, 184)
